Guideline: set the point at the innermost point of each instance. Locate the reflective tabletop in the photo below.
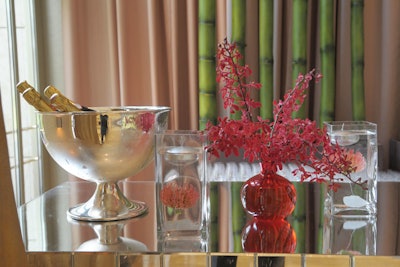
(47, 228)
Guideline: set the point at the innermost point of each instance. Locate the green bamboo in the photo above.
(358, 240)
(357, 59)
(299, 45)
(239, 38)
(239, 25)
(299, 65)
(208, 111)
(357, 82)
(328, 84)
(266, 60)
(298, 221)
(238, 216)
(323, 189)
(328, 65)
(207, 64)
(239, 34)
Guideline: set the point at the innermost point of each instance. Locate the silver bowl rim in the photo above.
(109, 109)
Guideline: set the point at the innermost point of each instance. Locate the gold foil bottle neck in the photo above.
(33, 97)
(22, 86)
(59, 101)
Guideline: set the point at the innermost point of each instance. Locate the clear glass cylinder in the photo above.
(350, 211)
(182, 205)
(359, 138)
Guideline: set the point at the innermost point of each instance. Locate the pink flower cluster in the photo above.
(284, 139)
(179, 196)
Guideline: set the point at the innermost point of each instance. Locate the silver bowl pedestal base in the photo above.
(108, 203)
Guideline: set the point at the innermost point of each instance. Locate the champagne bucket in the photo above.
(104, 146)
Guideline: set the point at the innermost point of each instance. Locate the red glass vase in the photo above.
(268, 195)
(268, 236)
(269, 198)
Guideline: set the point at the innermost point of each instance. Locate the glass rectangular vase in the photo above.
(351, 199)
(350, 236)
(182, 197)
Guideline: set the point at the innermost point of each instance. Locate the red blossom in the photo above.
(179, 196)
(145, 121)
(284, 139)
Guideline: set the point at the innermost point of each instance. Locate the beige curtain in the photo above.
(133, 53)
(144, 52)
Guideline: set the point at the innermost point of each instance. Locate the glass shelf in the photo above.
(46, 226)
(50, 236)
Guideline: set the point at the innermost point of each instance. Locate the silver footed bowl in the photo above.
(104, 146)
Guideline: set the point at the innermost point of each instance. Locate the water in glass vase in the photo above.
(181, 221)
(181, 209)
(359, 140)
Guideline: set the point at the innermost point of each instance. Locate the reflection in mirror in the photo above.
(60, 234)
(109, 237)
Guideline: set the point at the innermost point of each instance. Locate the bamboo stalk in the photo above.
(238, 37)
(328, 84)
(266, 60)
(299, 46)
(299, 65)
(238, 216)
(207, 64)
(239, 34)
(323, 189)
(328, 64)
(239, 25)
(208, 111)
(357, 59)
(298, 221)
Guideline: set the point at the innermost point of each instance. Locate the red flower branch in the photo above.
(283, 140)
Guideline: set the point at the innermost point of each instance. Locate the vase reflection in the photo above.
(350, 236)
(62, 235)
(268, 236)
(109, 237)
